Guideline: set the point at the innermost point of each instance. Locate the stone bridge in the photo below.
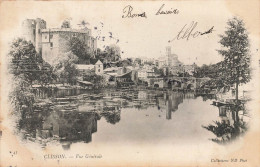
(177, 82)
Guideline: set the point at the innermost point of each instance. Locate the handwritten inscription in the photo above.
(128, 13)
(190, 31)
(171, 11)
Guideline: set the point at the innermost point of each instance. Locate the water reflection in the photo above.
(69, 119)
(60, 125)
(66, 119)
(232, 124)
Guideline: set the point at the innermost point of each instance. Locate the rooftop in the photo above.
(99, 62)
(111, 69)
(84, 66)
(84, 31)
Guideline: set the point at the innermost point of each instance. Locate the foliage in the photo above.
(65, 68)
(78, 48)
(210, 71)
(185, 74)
(158, 71)
(20, 97)
(66, 24)
(138, 61)
(110, 54)
(235, 50)
(46, 74)
(226, 132)
(24, 60)
(111, 115)
(149, 63)
(98, 80)
(113, 53)
(124, 63)
(83, 24)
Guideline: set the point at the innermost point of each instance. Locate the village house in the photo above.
(113, 72)
(127, 79)
(87, 69)
(99, 68)
(142, 74)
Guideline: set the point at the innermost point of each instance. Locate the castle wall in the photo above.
(51, 42)
(50, 46)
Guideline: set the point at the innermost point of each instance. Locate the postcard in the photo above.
(130, 83)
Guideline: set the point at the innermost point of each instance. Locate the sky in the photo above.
(140, 37)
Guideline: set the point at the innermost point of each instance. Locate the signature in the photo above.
(128, 13)
(189, 31)
(171, 11)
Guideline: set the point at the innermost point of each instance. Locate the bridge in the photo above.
(177, 82)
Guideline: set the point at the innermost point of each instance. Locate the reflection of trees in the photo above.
(78, 127)
(227, 131)
(111, 114)
(207, 97)
(64, 126)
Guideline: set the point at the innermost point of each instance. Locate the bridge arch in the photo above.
(190, 86)
(156, 85)
(174, 83)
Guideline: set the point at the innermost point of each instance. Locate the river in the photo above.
(131, 116)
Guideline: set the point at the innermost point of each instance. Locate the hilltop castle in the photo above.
(50, 42)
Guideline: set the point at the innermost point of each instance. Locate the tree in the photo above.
(112, 53)
(236, 64)
(111, 114)
(83, 24)
(66, 24)
(46, 75)
(65, 68)
(158, 71)
(98, 80)
(24, 60)
(212, 71)
(78, 48)
(138, 61)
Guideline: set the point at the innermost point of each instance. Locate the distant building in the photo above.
(113, 71)
(169, 60)
(99, 67)
(50, 42)
(127, 79)
(85, 69)
(146, 71)
(142, 74)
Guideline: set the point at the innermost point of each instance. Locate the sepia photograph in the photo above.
(129, 83)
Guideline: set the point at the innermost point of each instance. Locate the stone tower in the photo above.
(40, 24)
(168, 51)
(31, 30)
(28, 30)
